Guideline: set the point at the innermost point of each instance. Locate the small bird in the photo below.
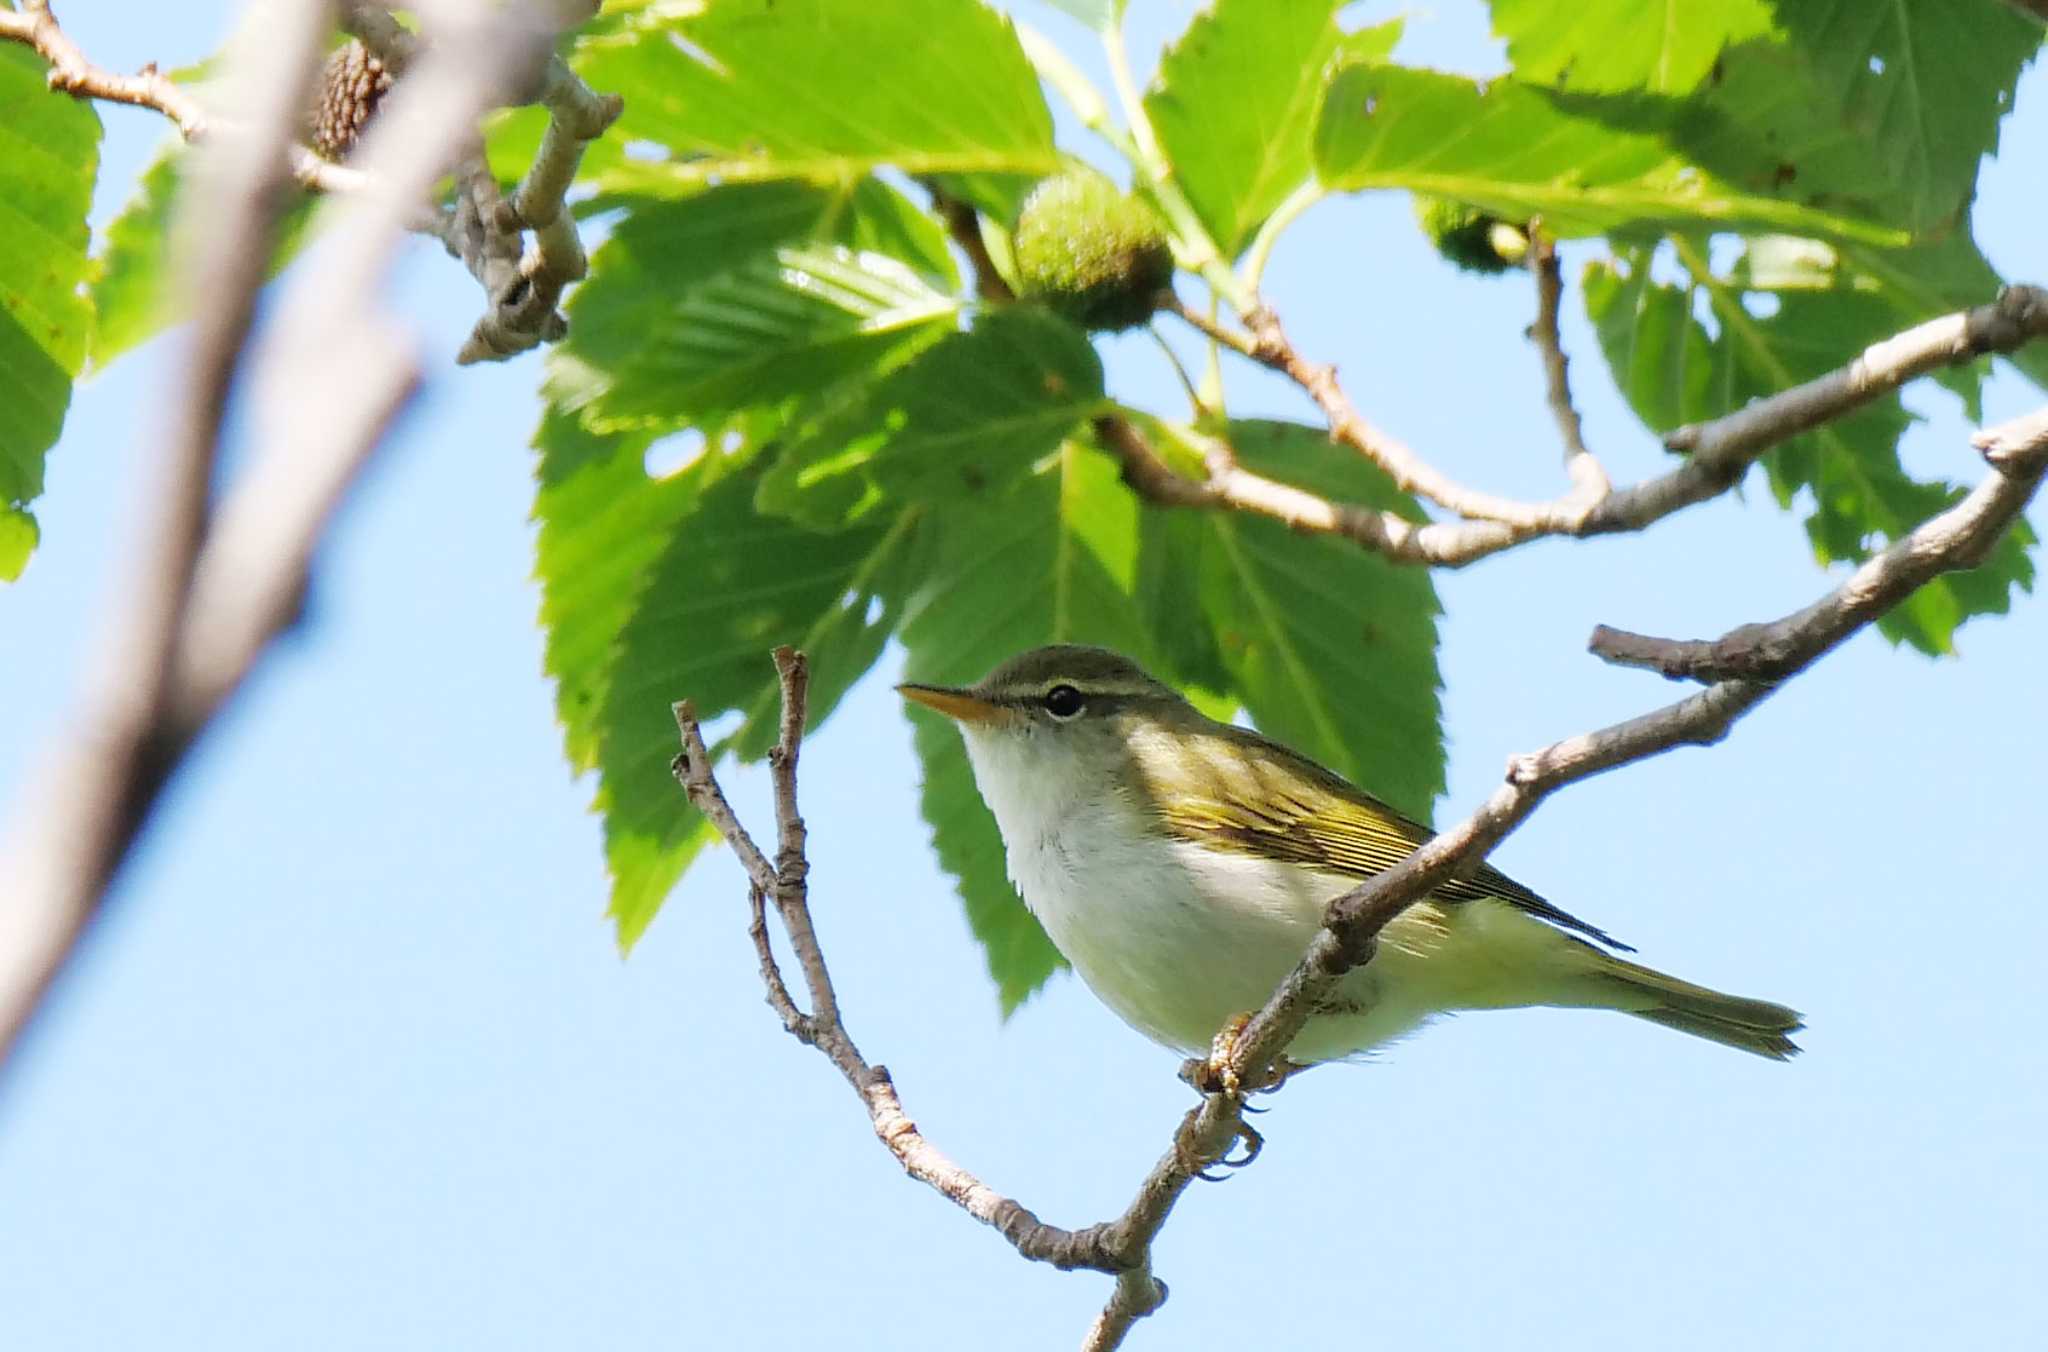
(1182, 866)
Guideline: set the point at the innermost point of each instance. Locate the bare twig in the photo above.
(72, 73)
(786, 881)
(1229, 485)
(964, 225)
(213, 588)
(1961, 537)
(523, 311)
(1588, 479)
(523, 279)
(1720, 451)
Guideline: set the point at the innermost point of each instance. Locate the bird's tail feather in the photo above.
(1757, 1026)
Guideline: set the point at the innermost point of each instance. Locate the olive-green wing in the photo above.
(1258, 797)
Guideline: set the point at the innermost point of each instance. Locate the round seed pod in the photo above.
(1088, 251)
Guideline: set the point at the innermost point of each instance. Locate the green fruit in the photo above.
(1469, 237)
(1091, 253)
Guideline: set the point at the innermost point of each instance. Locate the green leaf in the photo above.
(49, 154)
(1235, 104)
(688, 313)
(1587, 165)
(132, 288)
(662, 250)
(1608, 46)
(786, 322)
(1330, 648)
(824, 90)
(603, 521)
(18, 537)
(1050, 560)
(727, 587)
(1937, 278)
(1923, 83)
(1660, 356)
(959, 422)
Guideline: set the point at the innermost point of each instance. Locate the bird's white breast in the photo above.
(1175, 937)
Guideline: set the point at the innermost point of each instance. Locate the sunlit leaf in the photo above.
(816, 89)
(1608, 46)
(1586, 165)
(1238, 155)
(49, 154)
(959, 422)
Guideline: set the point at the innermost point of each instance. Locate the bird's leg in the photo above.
(1215, 1074)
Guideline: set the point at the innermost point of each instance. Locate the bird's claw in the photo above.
(1253, 1144)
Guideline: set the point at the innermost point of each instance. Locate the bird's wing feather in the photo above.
(1262, 798)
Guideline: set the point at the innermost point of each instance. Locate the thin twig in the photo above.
(525, 313)
(1719, 451)
(1961, 537)
(523, 278)
(964, 225)
(35, 26)
(1588, 479)
(786, 880)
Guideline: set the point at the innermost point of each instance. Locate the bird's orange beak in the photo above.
(959, 705)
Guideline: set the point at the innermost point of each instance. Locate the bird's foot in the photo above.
(1216, 1073)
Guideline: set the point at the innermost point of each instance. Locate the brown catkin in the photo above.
(349, 90)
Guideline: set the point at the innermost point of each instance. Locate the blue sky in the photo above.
(355, 1063)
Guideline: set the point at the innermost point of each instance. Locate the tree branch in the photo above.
(35, 26)
(786, 881)
(1959, 538)
(1589, 481)
(1720, 451)
(523, 280)
(213, 587)
(963, 223)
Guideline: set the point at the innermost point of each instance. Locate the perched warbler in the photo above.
(1182, 866)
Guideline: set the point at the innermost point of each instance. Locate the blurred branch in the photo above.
(213, 586)
(1718, 452)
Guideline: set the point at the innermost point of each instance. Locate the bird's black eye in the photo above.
(1063, 701)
